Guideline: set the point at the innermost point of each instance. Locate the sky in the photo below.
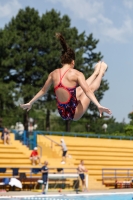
(111, 22)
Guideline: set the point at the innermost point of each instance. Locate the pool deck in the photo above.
(71, 193)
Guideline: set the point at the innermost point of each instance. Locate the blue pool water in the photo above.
(90, 197)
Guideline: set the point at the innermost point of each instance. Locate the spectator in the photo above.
(34, 157)
(19, 127)
(5, 136)
(81, 170)
(44, 171)
(64, 151)
(31, 125)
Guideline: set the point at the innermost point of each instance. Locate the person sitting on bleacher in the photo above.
(34, 157)
(5, 136)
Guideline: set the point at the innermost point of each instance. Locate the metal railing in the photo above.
(27, 142)
(30, 143)
(52, 141)
(33, 141)
(57, 177)
(54, 170)
(116, 173)
(87, 135)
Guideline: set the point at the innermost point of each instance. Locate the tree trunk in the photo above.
(1, 107)
(68, 127)
(48, 120)
(0, 122)
(26, 123)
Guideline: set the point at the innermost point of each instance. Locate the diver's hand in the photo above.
(26, 106)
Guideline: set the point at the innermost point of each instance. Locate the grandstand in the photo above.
(96, 153)
(17, 155)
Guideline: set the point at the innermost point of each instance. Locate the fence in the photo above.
(32, 176)
(31, 139)
(112, 176)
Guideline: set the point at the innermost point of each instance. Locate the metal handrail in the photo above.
(52, 141)
(110, 177)
(27, 139)
(71, 134)
(39, 167)
(88, 135)
(51, 176)
(40, 150)
(35, 167)
(116, 174)
(39, 147)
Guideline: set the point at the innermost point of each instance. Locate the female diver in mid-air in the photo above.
(73, 93)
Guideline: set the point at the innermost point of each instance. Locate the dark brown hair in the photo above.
(67, 55)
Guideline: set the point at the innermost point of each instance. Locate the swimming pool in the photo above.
(109, 196)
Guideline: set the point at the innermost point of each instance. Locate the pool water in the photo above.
(90, 197)
(108, 197)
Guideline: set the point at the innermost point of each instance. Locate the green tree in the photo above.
(129, 129)
(32, 52)
(7, 104)
(130, 116)
(22, 63)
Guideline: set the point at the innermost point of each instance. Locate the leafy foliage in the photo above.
(29, 52)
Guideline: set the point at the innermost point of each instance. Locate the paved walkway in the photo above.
(29, 193)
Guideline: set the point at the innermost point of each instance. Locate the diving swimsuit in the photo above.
(67, 109)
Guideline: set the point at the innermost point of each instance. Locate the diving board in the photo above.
(63, 176)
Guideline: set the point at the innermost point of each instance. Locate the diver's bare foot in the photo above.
(104, 67)
(97, 68)
(103, 109)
